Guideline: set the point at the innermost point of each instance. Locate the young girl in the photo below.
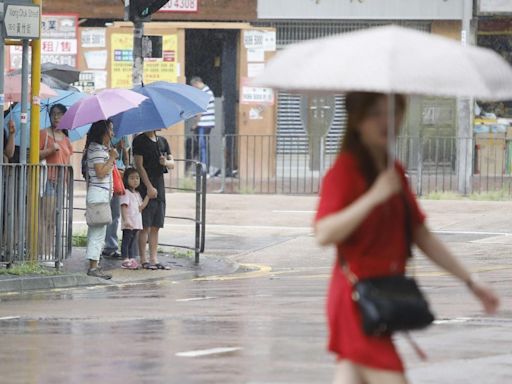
(131, 208)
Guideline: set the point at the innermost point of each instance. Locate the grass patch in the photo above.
(443, 196)
(498, 195)
(79, 239)
(188, 183)
(25, 269)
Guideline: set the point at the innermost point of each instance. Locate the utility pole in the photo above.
(139, 12)
(465, 116)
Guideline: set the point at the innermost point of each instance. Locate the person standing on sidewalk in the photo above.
(153, 158)
(362, 212)
(204, 123)
(101, 158)
(111, 240)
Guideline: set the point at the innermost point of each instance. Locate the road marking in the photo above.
(206, 352)
(279, 211)
(473, 233)
(9, 318)
(195, 299)
(452, 321)
(255, 270)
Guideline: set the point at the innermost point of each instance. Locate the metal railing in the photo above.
(200, 211)
(49, 216)
(180, 184)
(271, 164)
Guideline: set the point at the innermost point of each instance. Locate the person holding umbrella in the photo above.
(362, 212)
(153, 158)
(101, 158)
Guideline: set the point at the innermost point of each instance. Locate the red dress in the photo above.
(376, 248)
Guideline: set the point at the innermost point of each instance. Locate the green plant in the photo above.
(79, 239)
(31, 268)
(498, 195)
(187, 183)
(447, 195)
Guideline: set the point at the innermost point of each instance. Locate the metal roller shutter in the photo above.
(292, 136)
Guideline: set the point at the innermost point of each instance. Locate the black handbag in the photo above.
(390, 303)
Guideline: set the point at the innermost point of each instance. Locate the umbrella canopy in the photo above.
(66, 98)
(63, 72)
(166, 105)
(54, 83)
(12, 89)
(390, 59)
(100, 106)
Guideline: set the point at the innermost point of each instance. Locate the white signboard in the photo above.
(94, 38)
(180, 6)
(22, 21)
(495, 6)
(260, 40)
(56, 26)
(256, 95)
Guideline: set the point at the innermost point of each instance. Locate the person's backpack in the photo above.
(84, 164)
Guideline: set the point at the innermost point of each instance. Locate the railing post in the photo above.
(419, 182)
(200, 209)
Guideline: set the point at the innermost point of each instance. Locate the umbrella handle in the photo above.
(391, 130)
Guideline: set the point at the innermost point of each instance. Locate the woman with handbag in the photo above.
(364, 210)
(101, 160)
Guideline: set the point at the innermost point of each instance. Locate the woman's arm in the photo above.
(9, 146)
(105, 169)
(339, 226)
(435, 250)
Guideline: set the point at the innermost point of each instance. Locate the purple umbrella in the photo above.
(100, 106)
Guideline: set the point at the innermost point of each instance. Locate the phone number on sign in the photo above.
(180, 6)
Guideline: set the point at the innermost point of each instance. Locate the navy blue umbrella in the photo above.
(166, 105)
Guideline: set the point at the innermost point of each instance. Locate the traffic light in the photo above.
(142, 9)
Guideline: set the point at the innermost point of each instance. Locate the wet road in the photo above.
(262, 326)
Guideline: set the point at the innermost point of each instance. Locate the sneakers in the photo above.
(111, 255)
(97, 272)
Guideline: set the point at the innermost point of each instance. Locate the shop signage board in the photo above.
(494, 7)
(22, 21)
(161, 65)
(180, 6)
(59, 42)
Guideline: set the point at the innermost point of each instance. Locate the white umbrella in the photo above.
(390, 59)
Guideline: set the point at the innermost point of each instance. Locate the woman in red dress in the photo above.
(362, 212)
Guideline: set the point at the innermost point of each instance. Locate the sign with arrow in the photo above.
(22, 21)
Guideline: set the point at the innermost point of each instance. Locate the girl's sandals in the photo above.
(130, 264)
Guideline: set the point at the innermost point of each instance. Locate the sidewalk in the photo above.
(74, 273)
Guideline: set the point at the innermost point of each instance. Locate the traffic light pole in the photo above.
(138, 60)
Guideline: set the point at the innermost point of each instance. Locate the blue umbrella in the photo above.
(67, 98)
(167, 104)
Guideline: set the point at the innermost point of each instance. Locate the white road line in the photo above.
(474, 233)
(9, 318)
(206, 352)
(308, 227)
(453, 321)
(280, 211)
(195, 299)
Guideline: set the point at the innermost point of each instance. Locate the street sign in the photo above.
(22, 21)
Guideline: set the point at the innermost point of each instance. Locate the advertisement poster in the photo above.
(160, 62)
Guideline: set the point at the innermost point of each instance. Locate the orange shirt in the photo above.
(61, 157)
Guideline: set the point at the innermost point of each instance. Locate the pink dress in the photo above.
(133, 201)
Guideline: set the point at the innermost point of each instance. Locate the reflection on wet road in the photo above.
(236, 331)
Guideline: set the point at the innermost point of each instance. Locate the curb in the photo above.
(23, 284)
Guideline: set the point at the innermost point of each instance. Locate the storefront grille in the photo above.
(289, 122)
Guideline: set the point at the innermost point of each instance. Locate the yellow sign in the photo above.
(160, 62)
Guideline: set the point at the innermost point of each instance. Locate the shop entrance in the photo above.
(212, 55)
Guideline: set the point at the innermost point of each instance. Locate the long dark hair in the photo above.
(62, 108)
(97, 131)
(126, 175)
(358, 105)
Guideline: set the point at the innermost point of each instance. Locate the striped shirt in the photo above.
(207, 119)
(98, 154)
